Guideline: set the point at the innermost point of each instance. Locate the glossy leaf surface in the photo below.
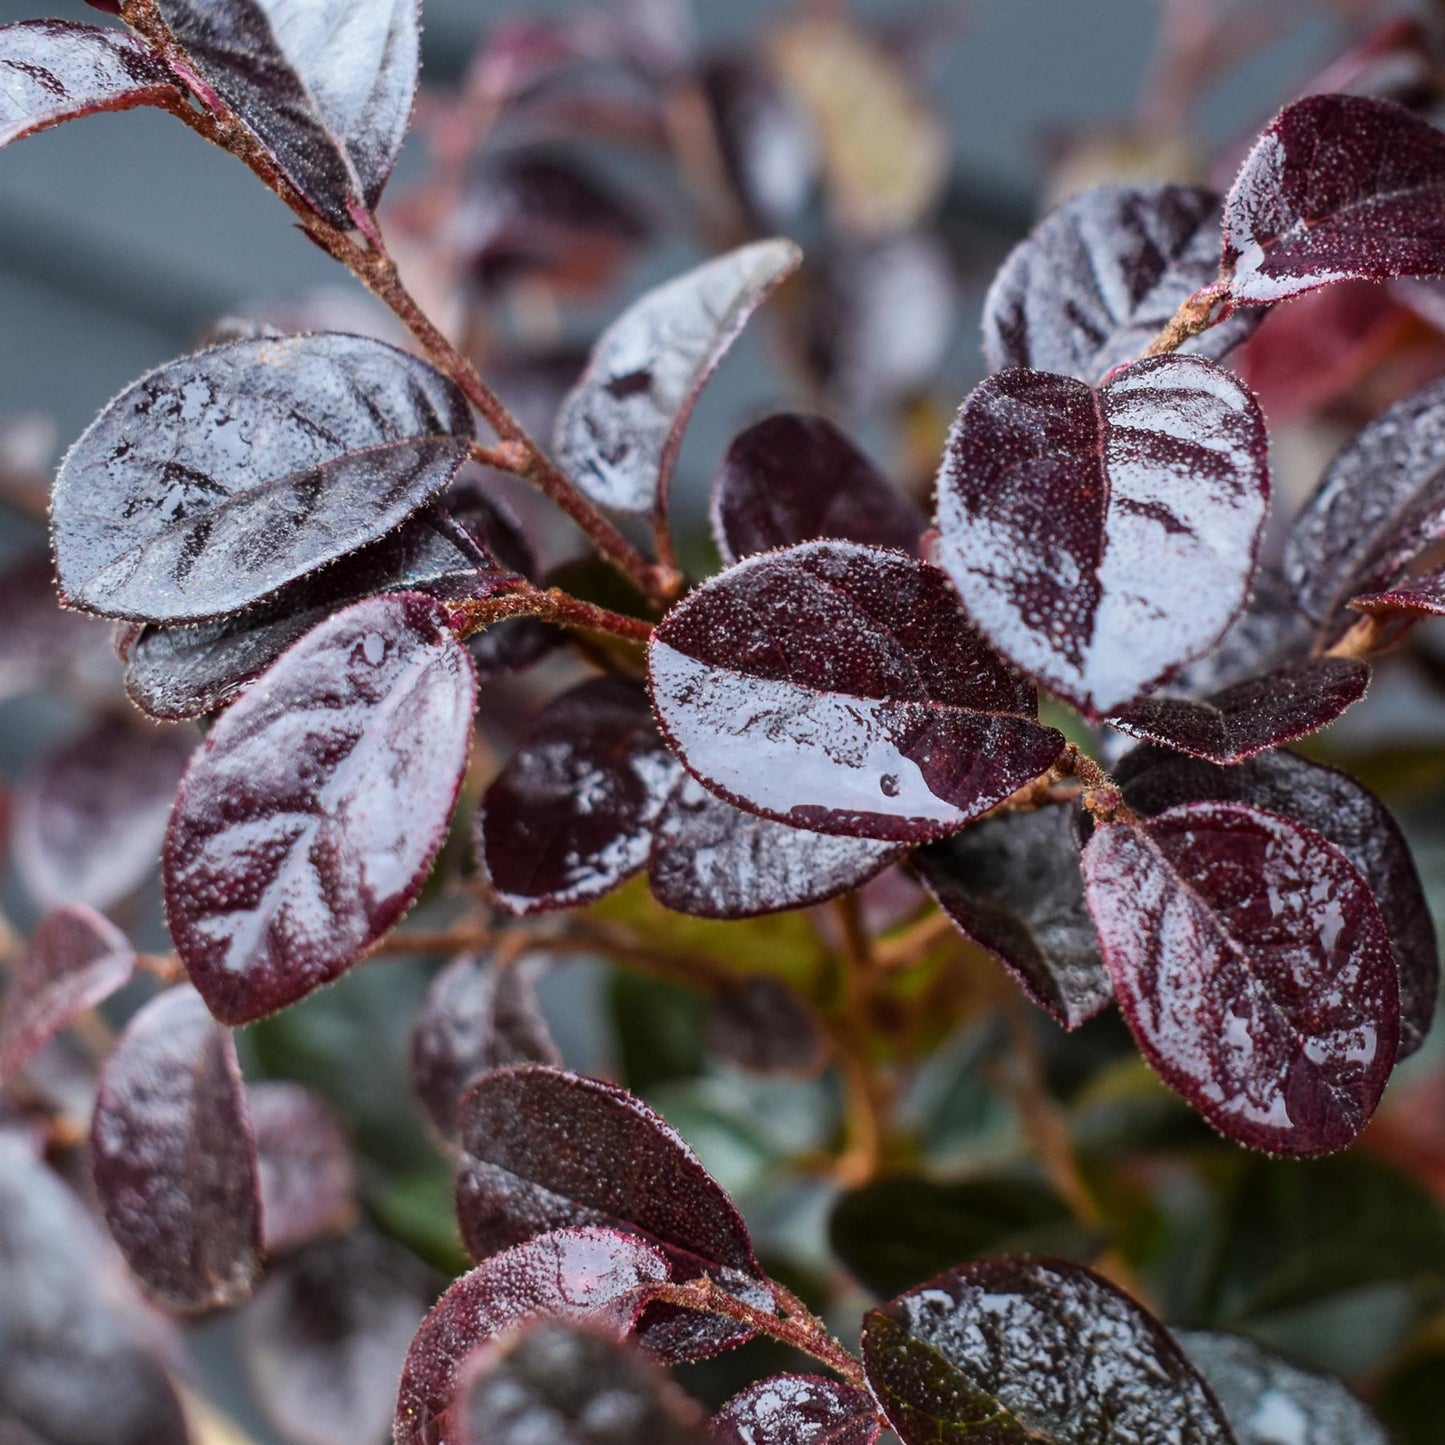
(89, 820)
(570, 817)
(215, 479)
(312, 814)
(543, 1149)
(1268, 1400)
(79, 1366)
(174, 1159)
(1009, 1351)
(1339, 809)
(1251, 716)
(1337, 187)
(1103, 538)
(904, 1227)
(308, 1181)
(75, 960)
(594, 1274)
(479, 1014)
(713, 860)
(325, 1337)
(569, 1384)
(1098, 280)
(1379, 507)
(1252, 967)
(842, 689)
(619, 430)
(327, 86)
(797, 478)
(1013, 884)
(179, 672)
(798, 1410)
(56, 70)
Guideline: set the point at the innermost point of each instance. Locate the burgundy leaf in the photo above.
(1379, 508)
(308, 1182)
(1266, 1399)
(1103, 538)
(75, 960)
(1418, 591)
(81, 1363)
(479, 1014)
(215, 479)
(312, 814)
(1252, 967)
(570, 818)
(1251, 716)
(796, 478)
(326, 1335)
(1013, 884)
(179, 672)
(327, 86)
(767, 144)
(881, 321)
(1100, 278)
(46, 649)
(173, 1157)
(90, 819)
(842, 689)
(1338, 187)
(760, 1024)
(1013, 1350)
(713, 860)
(593, 1274)
(798, 1410)
(620, 429)
(543, 1150)
(55, 70)
(566, 1382)
(1339, 809)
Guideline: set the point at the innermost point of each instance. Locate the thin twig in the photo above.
(550, 605)
(1195, 315)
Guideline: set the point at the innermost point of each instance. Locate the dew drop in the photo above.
(889, 784)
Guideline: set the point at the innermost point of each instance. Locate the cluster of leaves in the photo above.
(295, 540)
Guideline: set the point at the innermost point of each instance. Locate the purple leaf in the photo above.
(761, 1025)
(798, 1410)
(1266, 1399)
(1337, 188)
(308, 1182)
(214, 480)
(55, 70)
(713, 860)
(1103, 538)
(543, 1149)
(180, 672)
(81, 1361)
(1339, 809)
(478, 1015)
(312, 814)
(1379, 508)
(1013, 884)
(1251, 716)
(566, 1382)
(593, 1274)
(1253, 969)
(1100, 278)
(173, 1157)
(1014, 1350)
(326, 1335)
(796, 478)
(570, 818)
(842, 689)
(89, 821)
(620, 429)
(46, 649)
(327, 86)
(1418, 591)
(75, 960)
